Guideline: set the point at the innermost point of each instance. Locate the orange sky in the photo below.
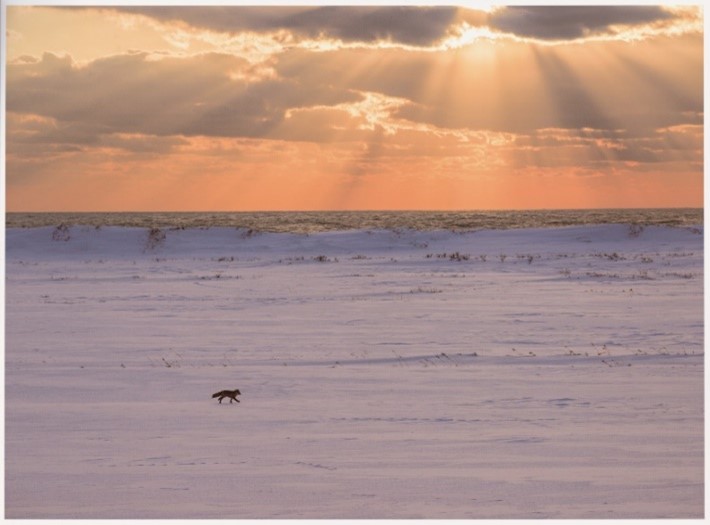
(357, 107)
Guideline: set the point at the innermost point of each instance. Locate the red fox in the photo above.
(231, 394)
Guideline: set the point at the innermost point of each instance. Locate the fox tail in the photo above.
(216, 395)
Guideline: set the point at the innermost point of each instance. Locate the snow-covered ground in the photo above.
(552, 373)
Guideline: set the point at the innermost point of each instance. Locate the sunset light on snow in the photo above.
(353, 107)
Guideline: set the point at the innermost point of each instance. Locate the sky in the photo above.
(324, 107)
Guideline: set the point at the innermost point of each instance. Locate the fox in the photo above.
(231, 394)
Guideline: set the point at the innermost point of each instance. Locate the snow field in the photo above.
(552, 373)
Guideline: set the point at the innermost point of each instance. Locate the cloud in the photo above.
(573, 22)
(417, 26)
(384, 103)
(334, 95)
(137, 93)
(521, 88)
(421, 26)
(603, 148)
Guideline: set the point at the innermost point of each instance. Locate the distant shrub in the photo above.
(61, 233)
(635, 230)
(425, 290)
(680, 275)
(324, 258)
(156, 237)
(456, 256)
(527, 257)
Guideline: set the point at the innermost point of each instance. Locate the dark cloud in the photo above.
(412, 25)
(198, 95)
(419, 26)
(572, 22)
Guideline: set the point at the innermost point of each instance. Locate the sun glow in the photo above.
(466, 35)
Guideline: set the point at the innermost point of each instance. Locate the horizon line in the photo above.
(373, 210)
